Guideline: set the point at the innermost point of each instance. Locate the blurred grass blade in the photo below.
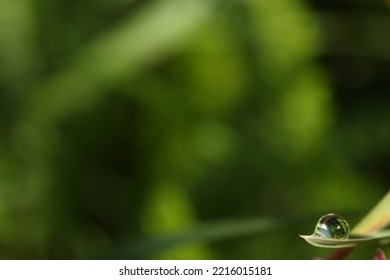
(352, 241)
(376, 219)
(127, 49)
(217, 231)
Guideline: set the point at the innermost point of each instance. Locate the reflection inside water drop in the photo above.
(332, 226)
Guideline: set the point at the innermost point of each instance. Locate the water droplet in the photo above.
(332, 226)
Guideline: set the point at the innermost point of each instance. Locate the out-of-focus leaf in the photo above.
(135, 43)
(376, 219)
(217, 231)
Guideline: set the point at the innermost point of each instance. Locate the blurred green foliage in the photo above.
(189, 129)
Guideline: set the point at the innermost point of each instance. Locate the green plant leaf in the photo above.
(376, 219)
(144, 248)
(353, 240)
(365, 232)
(138, 41)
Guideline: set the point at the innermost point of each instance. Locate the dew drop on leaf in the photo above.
(332, 226)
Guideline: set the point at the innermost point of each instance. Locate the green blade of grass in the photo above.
(365, 232)
(206, 233)
(352, 241)
(376, 219)
(136, 43)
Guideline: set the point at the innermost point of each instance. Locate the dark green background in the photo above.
(189, 129)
